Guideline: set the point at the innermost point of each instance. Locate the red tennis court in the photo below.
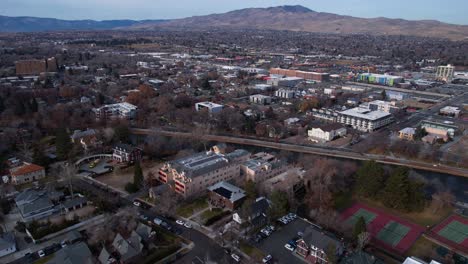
(452, 232)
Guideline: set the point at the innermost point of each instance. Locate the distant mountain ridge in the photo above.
(299, 18)
(292, 18)
(36, 24)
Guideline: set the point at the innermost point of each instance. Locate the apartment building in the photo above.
(364, 119)
(33, 67)
(326, 132)
(389, 107)
(445, 73)
(285, 93)
(382, 79)
(262, 166)
(407, 133)
(192, 175)
(116, 111)
(260, 99)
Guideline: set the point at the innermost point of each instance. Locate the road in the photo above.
(323, 151)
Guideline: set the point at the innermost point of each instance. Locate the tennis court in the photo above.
(452, 233)
(388, 231)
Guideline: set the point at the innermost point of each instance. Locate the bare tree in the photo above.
(363, 240)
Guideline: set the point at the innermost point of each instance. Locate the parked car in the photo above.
(180, 222)
(235, 257)
(188, 225)
(267, 259)
(41, 253)
(289, 247)
(136, 203)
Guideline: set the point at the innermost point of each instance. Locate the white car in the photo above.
(289, 247)
(235, 257)
(267, 259)
(188, 225)
(180, 222)
(41, 253)
(136, 203)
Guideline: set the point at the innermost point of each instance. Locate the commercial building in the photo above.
(381, 79)
(211, 107)
(314, 76)
(260, 99)
(326, 132)
(284, 81)
(407, 133)
(262, 166)
(34, 67)
(364, 119)
(450, 111)
(439, 129)
(27, 172)
(116, 111)
(394, 95)
(445, 73)
(285, 93)
(192, 175)
(225, 195)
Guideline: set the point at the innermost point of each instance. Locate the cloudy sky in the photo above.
(452, 11)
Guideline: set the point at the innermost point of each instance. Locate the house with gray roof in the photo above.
(7, 244)
(314, 243)
(78, 253)
(35, 204)
(225, 195)
(128, 248)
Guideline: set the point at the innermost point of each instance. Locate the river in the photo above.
(438, 181)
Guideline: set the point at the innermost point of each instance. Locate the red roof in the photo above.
(24, 169)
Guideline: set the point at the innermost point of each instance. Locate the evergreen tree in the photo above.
(279, 204)
(359, 227)
(396, 193)
(331, 253)
(62, 143)
(250, 189)
(138, 175)
(39, 158)
(370, 179)
(34, 106)
(122, 133)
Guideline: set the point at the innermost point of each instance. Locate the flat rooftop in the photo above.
(365, 113)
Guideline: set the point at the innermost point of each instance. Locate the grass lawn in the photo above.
(211, 213)
(253, 252)
(422, 248)
(186, 210)
(424, 218)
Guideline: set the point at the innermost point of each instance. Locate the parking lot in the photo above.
(274, 244)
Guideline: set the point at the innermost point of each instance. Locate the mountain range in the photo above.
(293, 18)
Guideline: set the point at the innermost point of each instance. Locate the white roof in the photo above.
(365, 113)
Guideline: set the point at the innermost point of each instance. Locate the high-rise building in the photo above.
(32, 67)
(445, 73)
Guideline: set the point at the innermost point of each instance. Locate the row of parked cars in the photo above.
(286, 219)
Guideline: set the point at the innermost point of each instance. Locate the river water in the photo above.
(439, 181)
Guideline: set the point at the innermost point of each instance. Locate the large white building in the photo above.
(389, 107)
(211, 107)
(260, 99)
(326, 133)
(364, 119)
(116, 111)
(445, 73)
(285, 93)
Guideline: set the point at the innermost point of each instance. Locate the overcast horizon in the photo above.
(155, 9)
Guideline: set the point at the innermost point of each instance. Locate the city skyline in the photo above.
(146, 9)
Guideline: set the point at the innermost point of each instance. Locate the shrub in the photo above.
(131, 187)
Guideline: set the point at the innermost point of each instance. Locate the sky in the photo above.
(451, 11)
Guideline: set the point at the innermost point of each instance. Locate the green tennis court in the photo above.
(392, 233)
(368, 216)
(455, 231)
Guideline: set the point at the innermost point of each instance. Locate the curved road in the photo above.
(330, 152)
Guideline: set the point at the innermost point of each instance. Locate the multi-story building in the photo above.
(445, 73)
(262, 166)
(192, 175)
(327, 132)
(260, 99)
(211, 107)
(27, 172)
(285, 93)
(389, 107)
(407, 133)
(314, 243)
(450, 111)
(116, 111)
(364, 119)
(124, 153)
(284, 81)
(381, 79)
(31, 67)
(314, 76)
(290, 182)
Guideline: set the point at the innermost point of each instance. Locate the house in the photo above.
(326, 132)
(116, 111)
(415, 260)
(254, 216)
(87, 138)
(74, 203)
(407, 133)
(145, 232)
(7, 244)
(211, 107)
(27, 172)
(361, 257)
(124, 153)
(77, 253)
(291, 121)
(226, 195)
(314, 243)
(35, 205)
(129, 248)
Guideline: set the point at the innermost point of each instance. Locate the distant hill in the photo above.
(299, 18)
(34, 24)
